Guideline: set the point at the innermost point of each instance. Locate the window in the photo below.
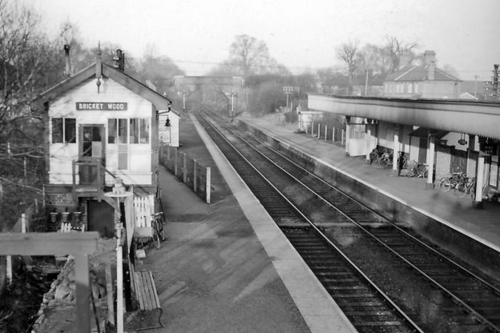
(117, 131)
(63, 130)
(122, 130)
(112, 134)
(139, 131)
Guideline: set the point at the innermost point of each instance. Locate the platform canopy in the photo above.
(474, 118)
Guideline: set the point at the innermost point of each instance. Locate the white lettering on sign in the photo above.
(105, 106)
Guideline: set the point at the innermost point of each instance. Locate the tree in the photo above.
(374, 58)
(158, 69)
(248, 54)
(449, 69)
(395, 48)
(348, 53)
(27, 66)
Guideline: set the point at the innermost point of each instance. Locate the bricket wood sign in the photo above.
(104, 106)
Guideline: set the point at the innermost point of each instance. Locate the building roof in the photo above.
(419, 73)
(158, 100)
(373, 79)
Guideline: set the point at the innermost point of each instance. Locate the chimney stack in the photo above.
(430, 63)
(404, 59)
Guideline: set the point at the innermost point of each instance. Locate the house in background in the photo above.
(425, 81)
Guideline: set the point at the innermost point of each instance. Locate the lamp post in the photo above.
(118, 193)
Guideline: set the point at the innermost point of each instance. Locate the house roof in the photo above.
(419, 73)
(373, 79)
(158, 100)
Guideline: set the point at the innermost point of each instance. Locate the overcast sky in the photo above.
(299, 34)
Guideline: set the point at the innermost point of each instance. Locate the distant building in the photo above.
(425, 81)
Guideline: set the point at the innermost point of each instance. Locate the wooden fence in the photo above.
(187, 170)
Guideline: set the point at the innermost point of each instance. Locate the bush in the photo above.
(291, 117)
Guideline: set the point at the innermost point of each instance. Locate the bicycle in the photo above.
(385, 160)
(418, 170)
(447, 183)
(466, 187)
(158, 232)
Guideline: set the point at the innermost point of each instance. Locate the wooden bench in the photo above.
(146, 294)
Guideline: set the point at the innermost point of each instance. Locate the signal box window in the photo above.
(63, 130)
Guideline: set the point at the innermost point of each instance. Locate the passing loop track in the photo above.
(300, 203)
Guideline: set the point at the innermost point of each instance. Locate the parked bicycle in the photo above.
(467, 186)
(418, 170)
(451, 182)
(157, 225)
(152, 234)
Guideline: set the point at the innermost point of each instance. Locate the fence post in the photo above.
(208, 186)
(326, 131)
(23, 223)
(312, 128)
(319, 130)
(175, 167)
(9, 270)
(333, 134)
(184, 169)
(342, 138)
(195, 176)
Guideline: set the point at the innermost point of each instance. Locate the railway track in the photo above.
(368, 264)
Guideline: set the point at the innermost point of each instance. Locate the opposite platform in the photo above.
(482, 225)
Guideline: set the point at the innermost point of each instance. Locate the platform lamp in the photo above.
(462, 140)
(118, 193)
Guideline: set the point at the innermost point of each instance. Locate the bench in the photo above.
(146, 294)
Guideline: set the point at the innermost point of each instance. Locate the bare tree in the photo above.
(348, 53)
(248, 54)
(395, 47)
(374, 58)
(27, 66)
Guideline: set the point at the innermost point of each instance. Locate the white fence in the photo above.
(143, 208)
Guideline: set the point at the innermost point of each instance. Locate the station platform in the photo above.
(226, 266)
(482, 225)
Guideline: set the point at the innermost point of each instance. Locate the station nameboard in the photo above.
(97, 106)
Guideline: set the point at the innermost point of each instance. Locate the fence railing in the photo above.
(187, 170)
(325, 132)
